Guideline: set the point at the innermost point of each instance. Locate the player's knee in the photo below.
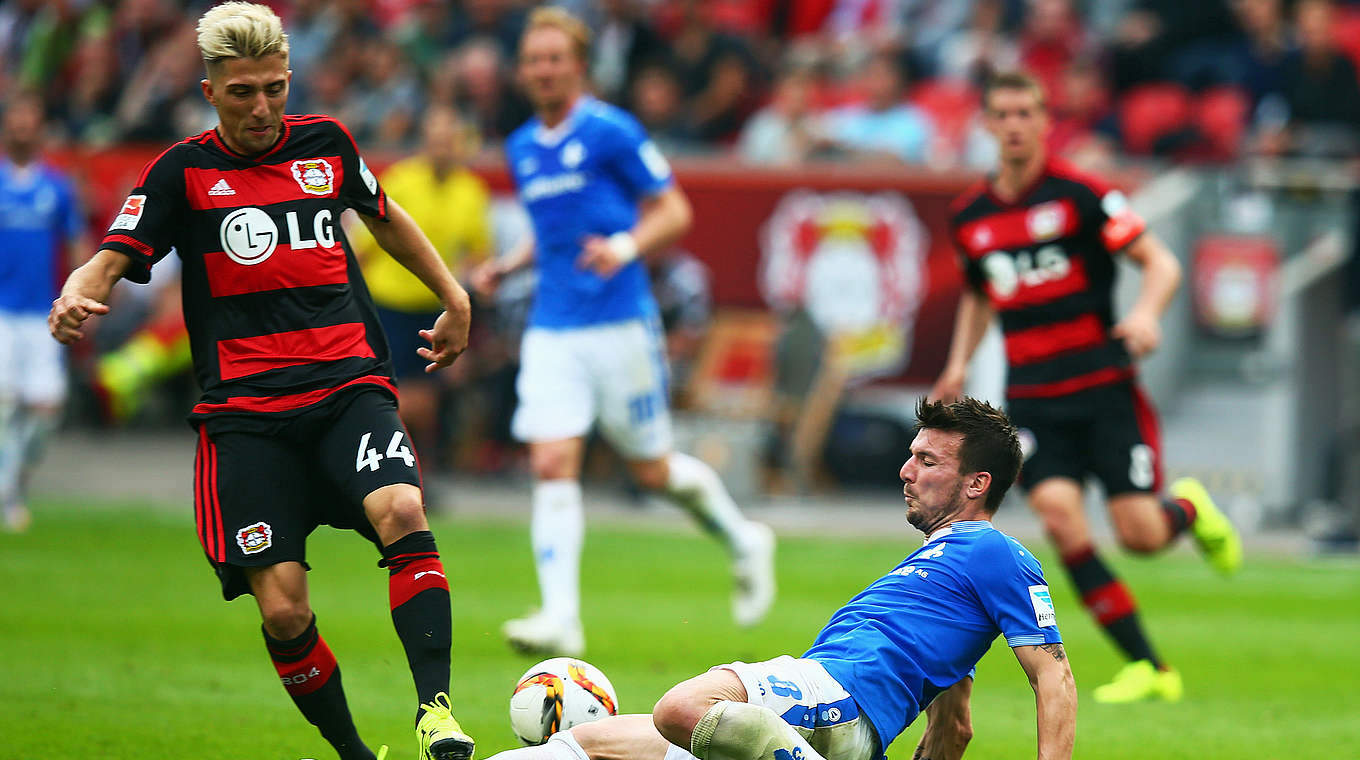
(285, 618)
(551, 463)
(1138, 539)
(676, 714)
(396, 511)
(653, 476)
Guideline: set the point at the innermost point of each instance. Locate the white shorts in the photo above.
(802, 693)
(614, 374)
(32, 363)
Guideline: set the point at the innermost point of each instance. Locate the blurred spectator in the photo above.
(90, 103)
(625, 43)
(787, 131)
(684, 295)
(500, 21)
(163, 101)
(1084, 127)
(1264, 45)
(39, 218)
(1187, 41)
(717, 72)
(883, 125)
(312, 28)
(658, 105)
(477, 77)
(979, 49)
(45, 41)
(451, 204)
(387, 97)
(1050, 41)
(1319, 101)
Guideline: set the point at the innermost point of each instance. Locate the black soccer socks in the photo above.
(1110, 603)
(311, 677)
(419, 594)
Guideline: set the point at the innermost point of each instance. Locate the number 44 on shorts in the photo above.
(371, 459)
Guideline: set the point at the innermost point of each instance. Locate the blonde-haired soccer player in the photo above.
(298, 421)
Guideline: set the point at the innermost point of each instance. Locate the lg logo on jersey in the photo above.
(1006, 273)
(249, 235)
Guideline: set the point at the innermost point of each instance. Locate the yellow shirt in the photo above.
(455, 215)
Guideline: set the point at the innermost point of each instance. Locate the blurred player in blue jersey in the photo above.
(40, 217)
(907, 643)
(601, 197)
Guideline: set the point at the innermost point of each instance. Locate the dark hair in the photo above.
(990, 443)
(1013, 80)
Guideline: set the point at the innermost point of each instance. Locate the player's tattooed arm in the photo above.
(1056, 650)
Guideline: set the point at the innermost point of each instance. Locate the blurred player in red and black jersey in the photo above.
(298, 421)
(1037, 244)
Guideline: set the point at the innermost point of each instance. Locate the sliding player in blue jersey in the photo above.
(601, 198)
(907, 643)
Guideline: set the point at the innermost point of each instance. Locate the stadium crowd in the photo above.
(776, 81)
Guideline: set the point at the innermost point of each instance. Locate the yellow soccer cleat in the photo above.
(1140, 681)
(439, 735)
(382, 752)
(1217, 537)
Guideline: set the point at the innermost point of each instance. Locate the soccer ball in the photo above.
(559, 693)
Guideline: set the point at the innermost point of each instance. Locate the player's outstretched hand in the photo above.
(605, 256)
(448, 339)
(1141, 333)
(68, 313)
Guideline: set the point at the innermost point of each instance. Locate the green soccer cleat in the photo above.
(439, 735)
(1216, 537)
(1140, 681)
(382, 752)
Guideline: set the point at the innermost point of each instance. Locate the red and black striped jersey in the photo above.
(1046, 264)
(278, 315)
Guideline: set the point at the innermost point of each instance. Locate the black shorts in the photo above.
(1110, 433)
(261, 489)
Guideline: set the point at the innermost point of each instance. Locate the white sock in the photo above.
(557, 532)
(33, 435)
(743, 731)
(13, 444)
(696, 488)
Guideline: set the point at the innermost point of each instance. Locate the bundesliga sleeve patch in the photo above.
(130, 214)
(1043, 606)
(370, 181)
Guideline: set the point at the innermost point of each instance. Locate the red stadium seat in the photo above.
(1150, 112)
(1221, 114)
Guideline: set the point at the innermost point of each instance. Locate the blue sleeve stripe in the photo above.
(1031, 640)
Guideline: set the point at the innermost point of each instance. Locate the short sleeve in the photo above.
(144, 227)
(969, 267)
(1110, 213)
(360, 189)
(72, 214)
(1011, 586)
(638, 163)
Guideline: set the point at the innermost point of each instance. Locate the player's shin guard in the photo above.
(557, 531)
(419, 594)
(698, 489)
(742, 731)
(1110, 603)
(312, 678)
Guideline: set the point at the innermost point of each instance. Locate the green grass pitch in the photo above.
(114, 642)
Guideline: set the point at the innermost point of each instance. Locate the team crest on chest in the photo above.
(573, 153)
(1046, 220)
(314, 175)
(255, 538)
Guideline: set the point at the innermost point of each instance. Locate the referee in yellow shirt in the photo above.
(452, 206)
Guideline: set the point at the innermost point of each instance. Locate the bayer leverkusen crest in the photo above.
(854, 262)
(314, 175)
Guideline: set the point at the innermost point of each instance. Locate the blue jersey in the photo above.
(38, 214)
(919, 629)
(584, 177)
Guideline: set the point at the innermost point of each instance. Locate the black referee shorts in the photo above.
(258, 493)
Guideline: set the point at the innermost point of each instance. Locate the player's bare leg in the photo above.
(557, 533)
(1059, 503)
(710, 715)
(696, 488)
(1146, 523)
(301, 657)
(418, 591)
(618, 737)
(1140, 523)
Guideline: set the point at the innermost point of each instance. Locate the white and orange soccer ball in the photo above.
(559, 693)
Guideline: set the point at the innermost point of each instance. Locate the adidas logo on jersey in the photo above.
(221, 188)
